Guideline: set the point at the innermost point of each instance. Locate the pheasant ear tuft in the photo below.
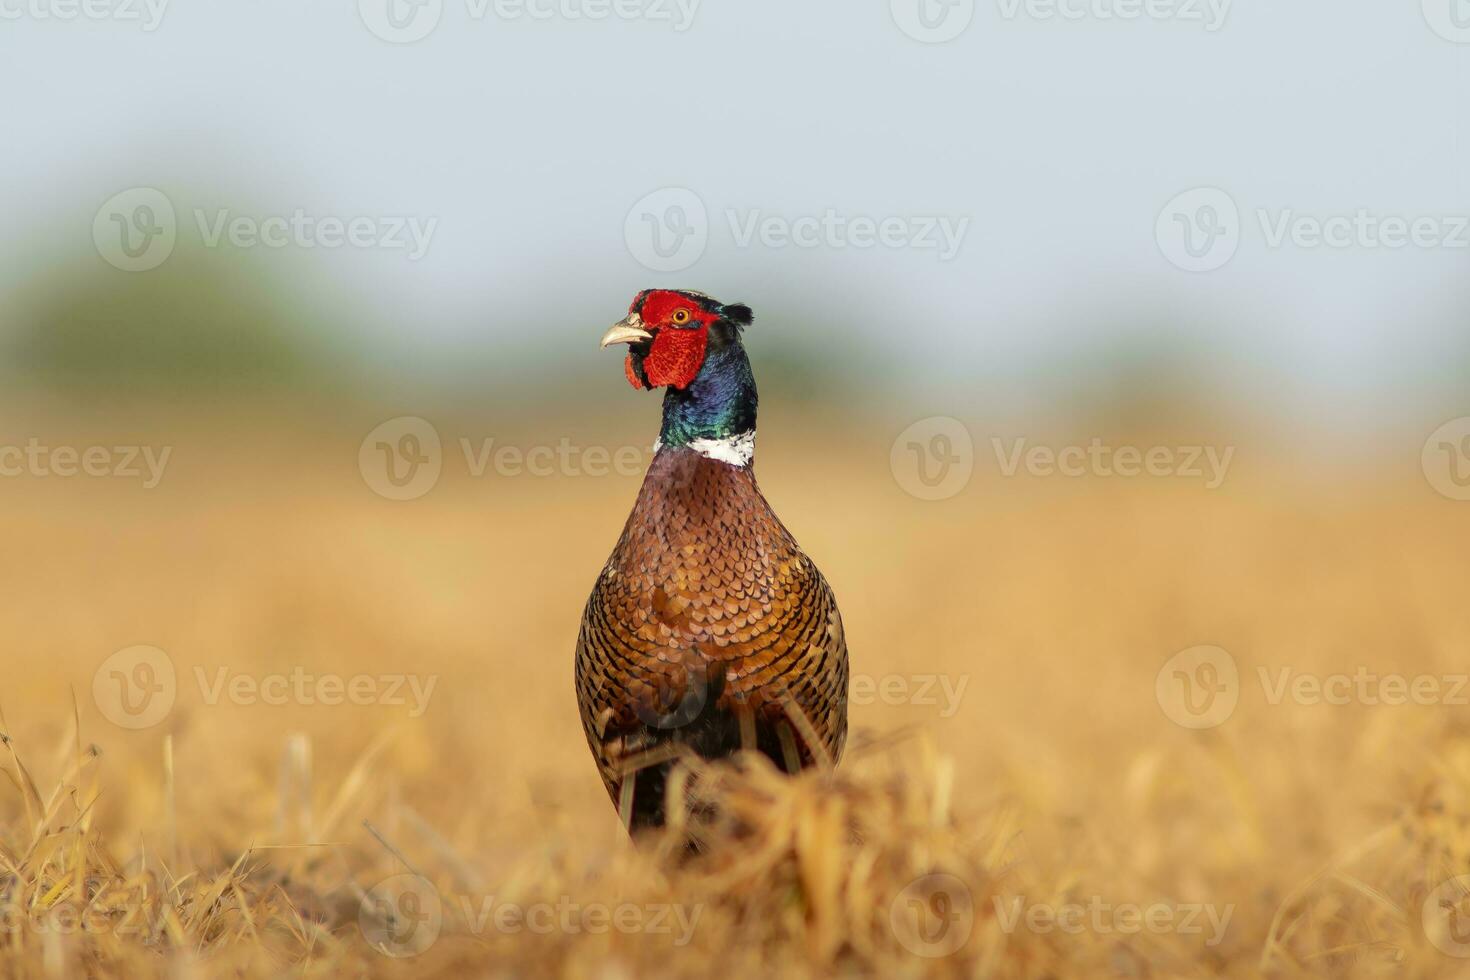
(738, 314)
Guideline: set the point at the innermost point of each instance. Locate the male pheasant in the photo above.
(709, 630)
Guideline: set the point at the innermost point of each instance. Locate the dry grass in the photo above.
(249, 838)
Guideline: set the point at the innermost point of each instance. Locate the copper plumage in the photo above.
(709, 630)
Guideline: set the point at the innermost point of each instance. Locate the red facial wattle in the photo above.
(631, 372)
(676, 356)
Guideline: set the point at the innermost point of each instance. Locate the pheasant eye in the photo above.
(681, 317)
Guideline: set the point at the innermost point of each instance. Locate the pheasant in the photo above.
(709, 630)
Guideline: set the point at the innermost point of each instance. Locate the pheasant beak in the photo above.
(629, 331)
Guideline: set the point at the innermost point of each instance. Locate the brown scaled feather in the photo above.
(708, 629)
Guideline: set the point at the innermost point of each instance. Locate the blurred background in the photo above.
(526, 132)
(299, 272)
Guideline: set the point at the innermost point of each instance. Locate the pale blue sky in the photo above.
(529, 140)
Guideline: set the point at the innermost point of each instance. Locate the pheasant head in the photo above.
(689, 344)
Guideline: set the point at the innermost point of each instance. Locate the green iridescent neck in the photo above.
(719, 404)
